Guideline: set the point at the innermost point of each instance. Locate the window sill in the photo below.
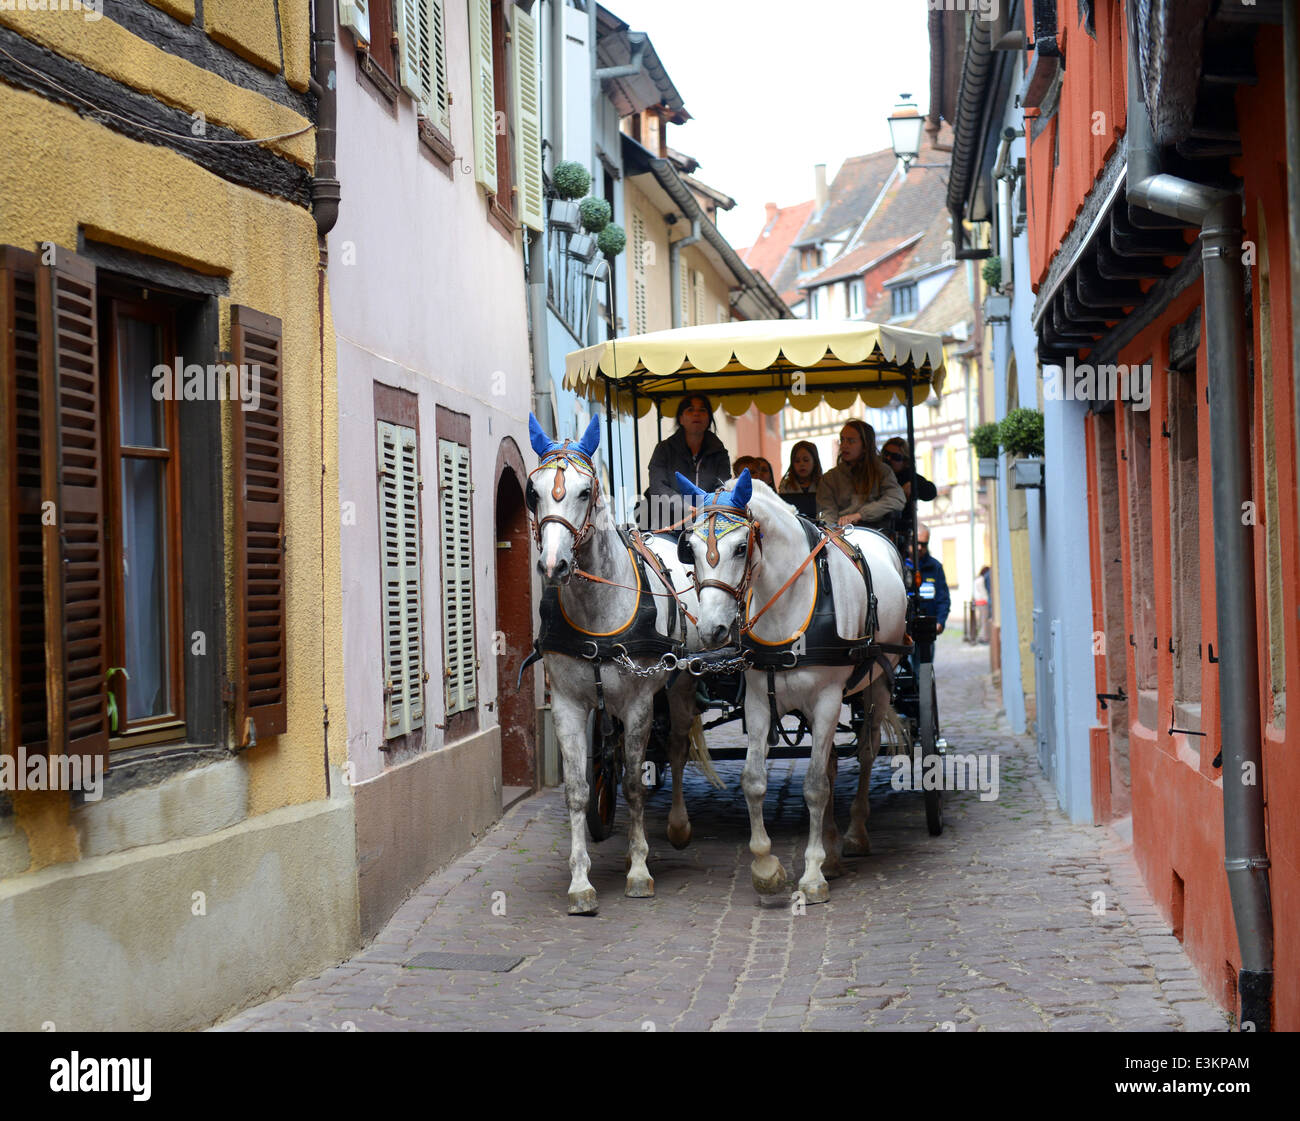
(437, 145)
(388, 89)
(501, 219)
(133, 767)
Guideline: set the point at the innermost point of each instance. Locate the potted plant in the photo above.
(595, 214)
(986, 441)
(582, 247)
(992, 272)
(1021, 433)
(610, 241)
(570, 181)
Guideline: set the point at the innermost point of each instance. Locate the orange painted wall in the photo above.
(1177, 797)
(1090, 119)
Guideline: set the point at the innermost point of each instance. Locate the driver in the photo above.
(694, 450)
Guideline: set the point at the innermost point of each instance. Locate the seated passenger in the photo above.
(693, 450)
(805, 473)
(860, 489)
(759, 468)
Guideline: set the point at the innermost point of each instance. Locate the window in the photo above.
(640, 323)
(1141, 559)
(105, 468)
(855, 299)
(460, 653)
(810, 257)
(1185, 550)
(401, 583)
(902, 300)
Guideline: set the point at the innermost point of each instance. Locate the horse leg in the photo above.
(640, 884)
(816, 790)
(766, 871)
(681, 708)
(856, 842)
(571, 731)
(832, 866)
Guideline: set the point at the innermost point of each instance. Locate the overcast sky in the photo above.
(775, 88)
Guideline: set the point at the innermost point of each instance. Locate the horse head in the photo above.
(563, 498)
(721, 548)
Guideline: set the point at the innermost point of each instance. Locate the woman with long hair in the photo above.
(805, 471)
(860, 489)
(694, 450)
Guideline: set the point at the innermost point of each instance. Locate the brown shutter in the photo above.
(72, 469)
(260, 708)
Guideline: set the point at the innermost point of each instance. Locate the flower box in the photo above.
(565, 215)
(989, 468)
(1027, 473)
(582, 247)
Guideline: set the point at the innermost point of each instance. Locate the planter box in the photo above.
(997, 308)
(564, 215)
(989, 468)
(582, 247)
(598, 270)
(1026, 473)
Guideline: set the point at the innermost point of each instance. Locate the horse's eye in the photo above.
(740, 551)
(586, 493)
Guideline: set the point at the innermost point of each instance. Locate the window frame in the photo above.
(455, 428)
(171, 725)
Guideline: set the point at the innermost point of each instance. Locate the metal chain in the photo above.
(696, 665)
(626, 666)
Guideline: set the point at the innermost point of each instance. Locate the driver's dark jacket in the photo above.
(708, 471)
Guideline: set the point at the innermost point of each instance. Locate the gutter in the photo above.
(1245, 849)
(1291, 70)
(675, 270)
(750, 282)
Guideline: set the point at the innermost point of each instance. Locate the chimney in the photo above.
(819, 172)
(771, 215)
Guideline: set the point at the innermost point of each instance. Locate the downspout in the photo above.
(675, 270)
(1218, 213)
(1291, 68)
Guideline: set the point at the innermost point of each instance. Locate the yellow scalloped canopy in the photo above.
(762, 361)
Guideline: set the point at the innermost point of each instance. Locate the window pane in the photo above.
(144, 585)
(139, 350)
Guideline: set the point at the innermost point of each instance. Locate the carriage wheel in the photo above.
(602, 777)
(928, 728)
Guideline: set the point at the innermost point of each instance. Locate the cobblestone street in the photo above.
(989, 926)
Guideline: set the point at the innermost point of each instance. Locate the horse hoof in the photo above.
(854, 847)
(769, 876)
(818, 892)
(640, 889)
(679, 836)
(583, 902)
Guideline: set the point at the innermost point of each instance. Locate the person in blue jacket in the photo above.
(932, 594)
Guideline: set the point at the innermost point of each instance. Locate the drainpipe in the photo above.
(1291, 66)
(325, 187)
(1218, 213)
(675, 270)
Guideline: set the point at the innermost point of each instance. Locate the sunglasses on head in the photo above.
(893, 455)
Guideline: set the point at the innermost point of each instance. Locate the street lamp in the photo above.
(905, 130)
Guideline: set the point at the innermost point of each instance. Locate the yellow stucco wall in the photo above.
(295, 38)
(62, 173)
(247, 27)
(111, 50)
(183, 10)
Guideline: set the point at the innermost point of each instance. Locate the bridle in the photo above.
(732, 518)
(562, 457)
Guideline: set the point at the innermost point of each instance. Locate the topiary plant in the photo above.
(992, 272)
(1021, 432)
(611, 240)
(986, 440)
(595, 214)
(570, 180)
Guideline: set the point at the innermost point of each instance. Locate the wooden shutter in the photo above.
(421, 38)
(528, 118)
(699, 296)
(484, 93)
(260, 693)
(684, 295)
(639, 324)
(399, 501)
(457, 577)
(73, 534)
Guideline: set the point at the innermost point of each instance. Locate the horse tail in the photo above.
(698, 753)
(899, 742)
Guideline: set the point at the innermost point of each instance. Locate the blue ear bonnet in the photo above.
(737, 498)
(546, 448)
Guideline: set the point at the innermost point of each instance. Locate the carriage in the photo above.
(770, 363)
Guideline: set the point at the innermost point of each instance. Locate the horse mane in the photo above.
(773, 511)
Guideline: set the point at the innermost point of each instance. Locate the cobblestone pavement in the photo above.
(989, 926)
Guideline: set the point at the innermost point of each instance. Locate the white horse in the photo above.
(747, 543)
(578, 541)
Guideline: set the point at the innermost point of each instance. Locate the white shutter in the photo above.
(399, 532)
(684, 296)
(639, 324)
(528, 119)
(484, 93)
(699, 296)
(355, 16)
(457, 577)
(422, 38)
